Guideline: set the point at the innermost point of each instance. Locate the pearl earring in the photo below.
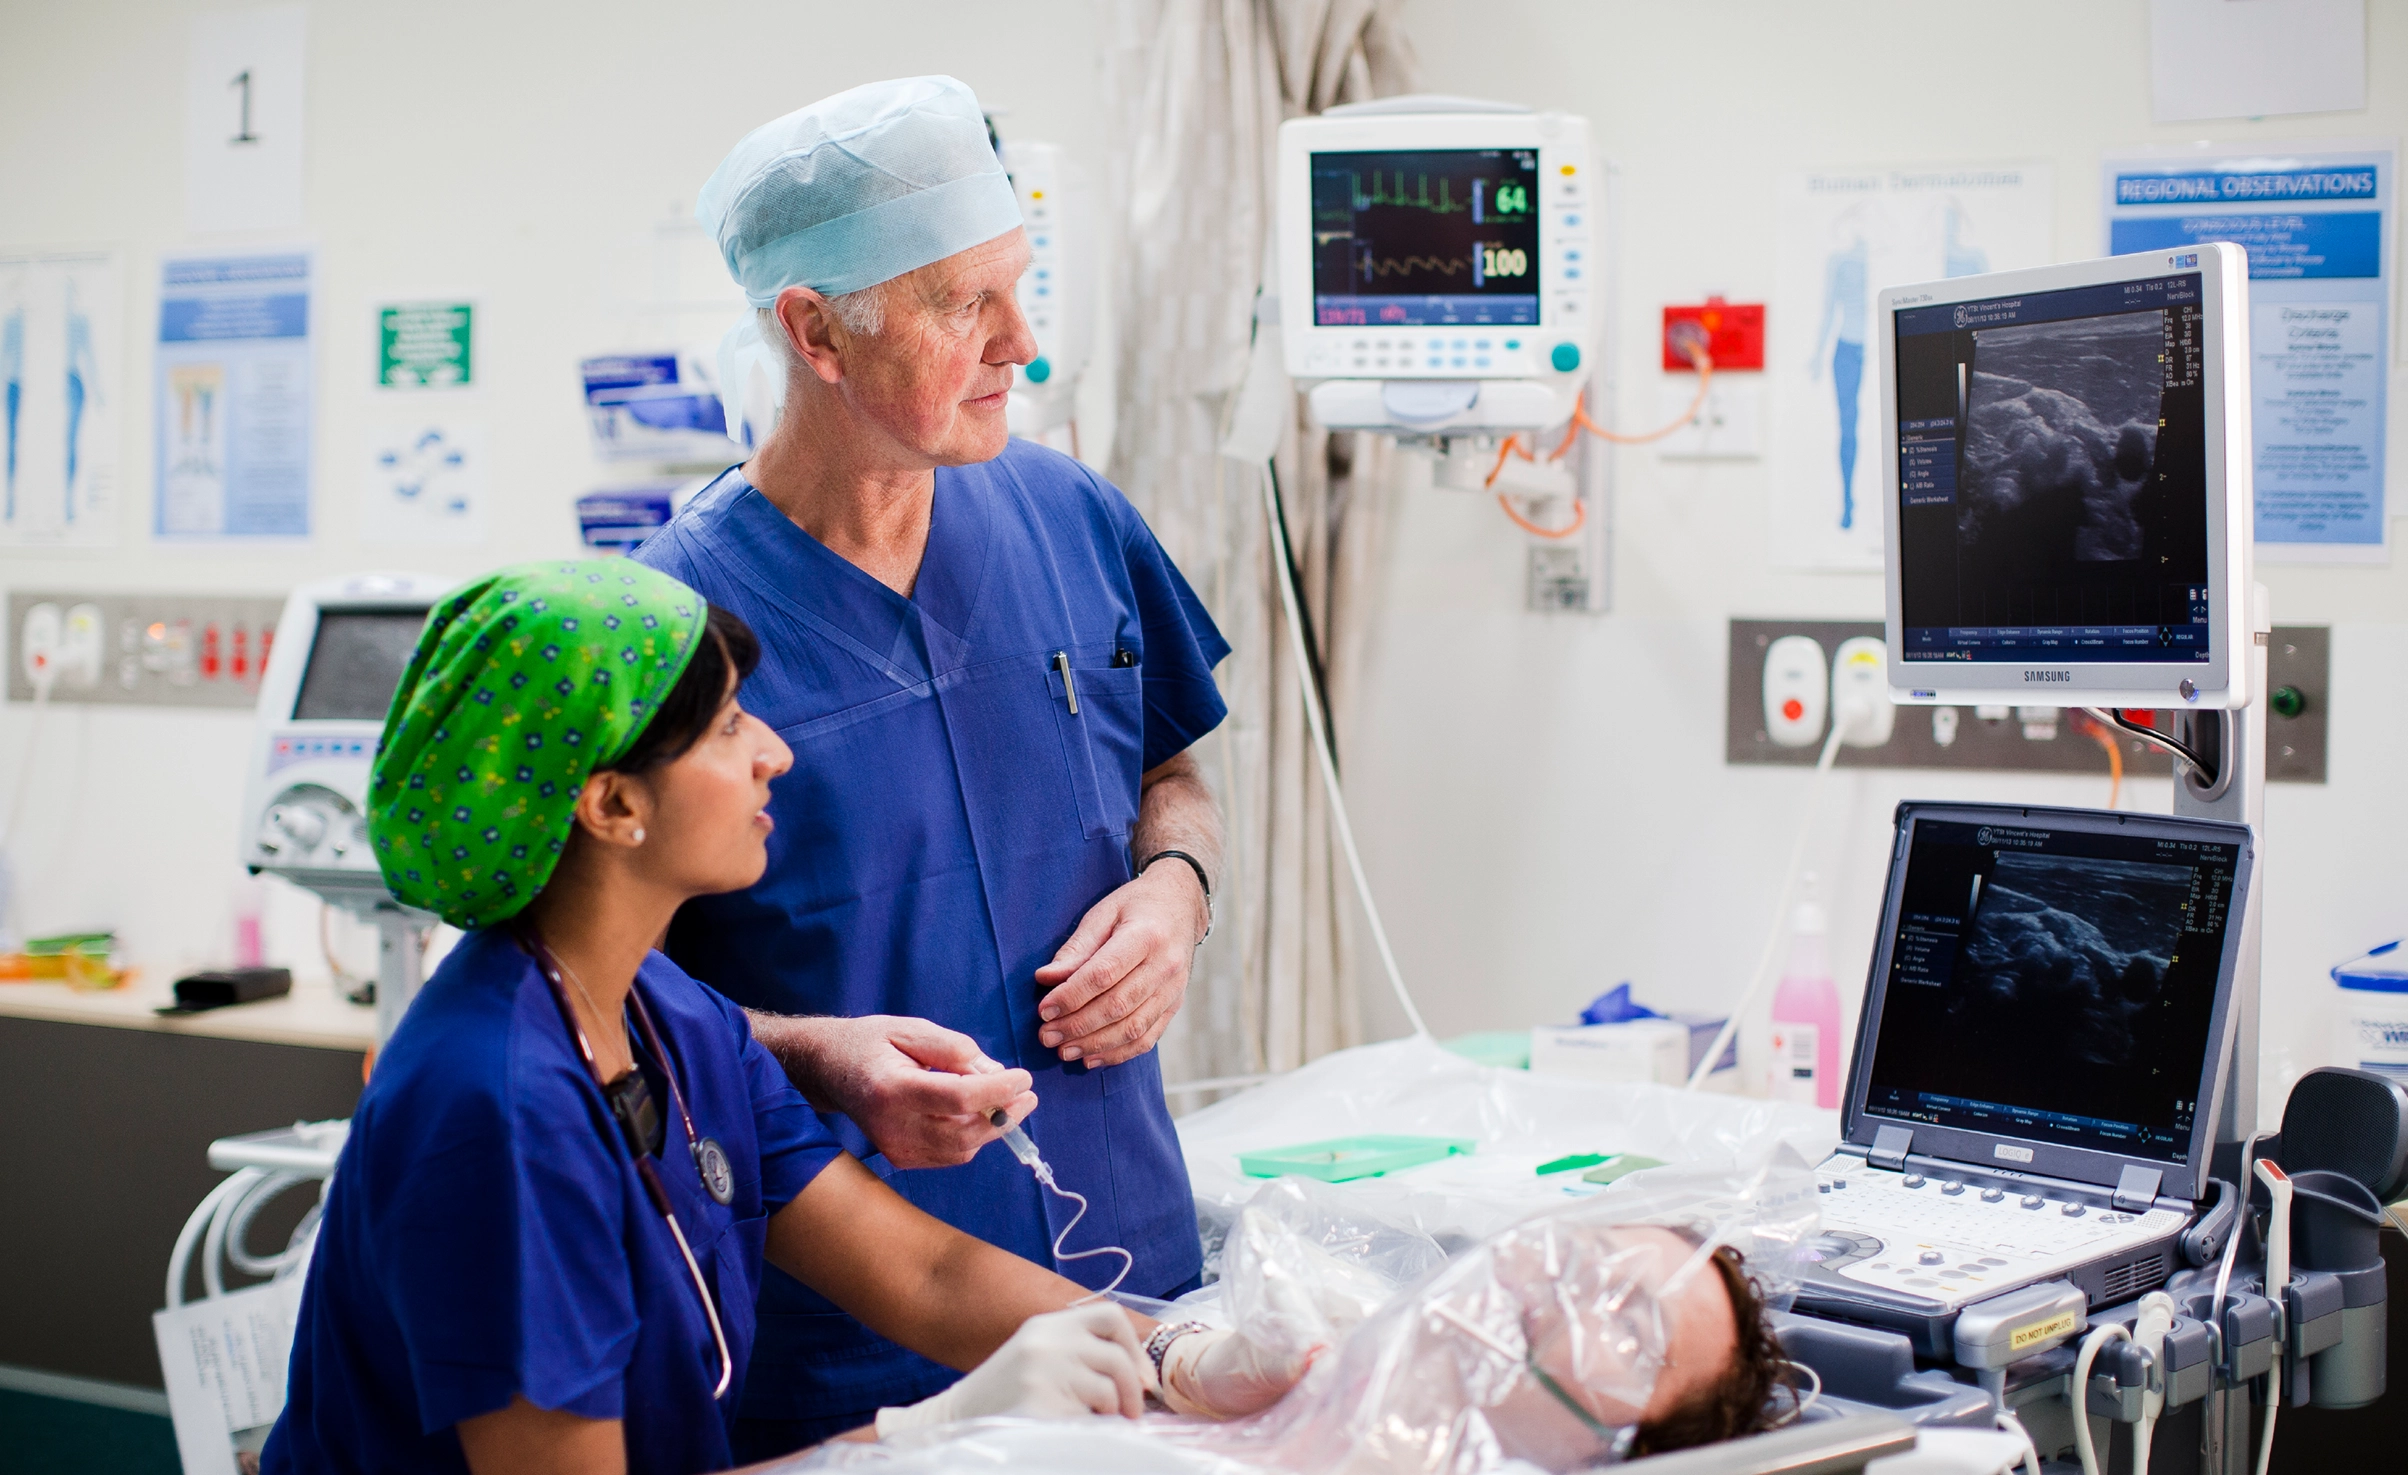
(639, 836)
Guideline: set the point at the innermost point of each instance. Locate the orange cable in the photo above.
(2115, 757)
(1580, 509)
(1579, 422)
(1580, 515)
(1511, 447)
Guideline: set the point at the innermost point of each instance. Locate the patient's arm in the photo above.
(908, 1275)
(522, 1439)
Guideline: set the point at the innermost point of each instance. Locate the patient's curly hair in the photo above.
(1753, 1395)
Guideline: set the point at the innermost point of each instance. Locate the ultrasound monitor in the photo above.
(2052, 990)
(1426, 242)
(2068, 478)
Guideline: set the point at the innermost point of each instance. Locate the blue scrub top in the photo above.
(947, 822)
(487, 1234)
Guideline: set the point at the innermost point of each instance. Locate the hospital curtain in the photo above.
(1201, 87)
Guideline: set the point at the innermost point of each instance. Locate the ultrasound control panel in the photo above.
(1955, 1238)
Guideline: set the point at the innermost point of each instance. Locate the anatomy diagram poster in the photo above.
(2318, 227)
(1842, 236)
(62, 342)
(233, 398)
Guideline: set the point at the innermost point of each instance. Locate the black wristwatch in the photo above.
(1202, 880)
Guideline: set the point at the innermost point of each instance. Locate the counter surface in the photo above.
(312, 1014)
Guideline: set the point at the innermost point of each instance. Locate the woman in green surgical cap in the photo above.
(544, 1237)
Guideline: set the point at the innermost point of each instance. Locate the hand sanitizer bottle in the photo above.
(1805, 1032)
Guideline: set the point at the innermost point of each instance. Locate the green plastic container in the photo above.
(1506, 1049)
(1619, 1165)
(1342, 1159)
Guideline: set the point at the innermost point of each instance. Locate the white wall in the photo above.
(1586, 829)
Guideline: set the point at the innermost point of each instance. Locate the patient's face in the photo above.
(1443, 1379)
(1701, 1335)
(1602, 1322)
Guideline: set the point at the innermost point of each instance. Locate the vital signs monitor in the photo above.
(2068, 483)
(1435, 263)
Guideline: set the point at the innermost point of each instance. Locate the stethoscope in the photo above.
(631, 1104)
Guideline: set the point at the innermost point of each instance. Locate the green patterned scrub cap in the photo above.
(524, 683)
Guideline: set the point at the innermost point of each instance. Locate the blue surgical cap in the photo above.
(857, 189)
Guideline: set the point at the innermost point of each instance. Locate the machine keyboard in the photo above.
(1956, 1240)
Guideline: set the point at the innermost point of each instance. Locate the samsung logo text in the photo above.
(2048, 675)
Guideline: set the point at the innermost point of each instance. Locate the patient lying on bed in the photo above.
(1563, 1341)
(1574, 1337)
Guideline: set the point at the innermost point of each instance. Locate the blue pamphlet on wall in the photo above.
(232, 438)
(2318, 226)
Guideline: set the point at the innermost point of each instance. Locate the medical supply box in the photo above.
(2370, 1030)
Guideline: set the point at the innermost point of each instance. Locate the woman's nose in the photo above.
(774, 759)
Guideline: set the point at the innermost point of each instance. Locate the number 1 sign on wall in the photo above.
(242, 121)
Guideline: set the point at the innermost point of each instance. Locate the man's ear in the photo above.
(814, 335)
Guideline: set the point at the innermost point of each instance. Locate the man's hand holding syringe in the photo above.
(927, 1096)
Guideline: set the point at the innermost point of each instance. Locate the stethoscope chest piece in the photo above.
(718, 1179)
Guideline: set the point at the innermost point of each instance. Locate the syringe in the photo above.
(1018, 1142)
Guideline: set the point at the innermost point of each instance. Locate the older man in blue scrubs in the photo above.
(990, 674)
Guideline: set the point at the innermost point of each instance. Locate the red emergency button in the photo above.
(1793, 709)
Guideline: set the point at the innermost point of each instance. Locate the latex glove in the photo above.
(1220, 1375)
(1062, 1365)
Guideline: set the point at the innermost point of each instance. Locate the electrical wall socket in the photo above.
(146, 650)
(2297, 662)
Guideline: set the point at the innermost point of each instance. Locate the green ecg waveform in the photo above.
(1382, 194)
(1509, 199)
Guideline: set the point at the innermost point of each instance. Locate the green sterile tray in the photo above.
(1341, 1159)
(1618, 1166)
(1506, 1049)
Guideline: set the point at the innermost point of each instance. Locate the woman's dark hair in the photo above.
(1753, 1395)
(725, 653)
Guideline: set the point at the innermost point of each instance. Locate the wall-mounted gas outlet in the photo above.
(159, 650)
(1557, 579)
(1765, 653)
(1860, 692)
(1796, 690)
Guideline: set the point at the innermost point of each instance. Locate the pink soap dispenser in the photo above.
(1805, 1024)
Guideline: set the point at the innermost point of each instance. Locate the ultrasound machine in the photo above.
(2051, 1206)
(2049, 1006)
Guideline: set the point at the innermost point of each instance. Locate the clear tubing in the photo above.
(1315, 719)
(1026, 1150)
(1781, 909)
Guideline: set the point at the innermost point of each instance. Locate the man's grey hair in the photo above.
(863, 314)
